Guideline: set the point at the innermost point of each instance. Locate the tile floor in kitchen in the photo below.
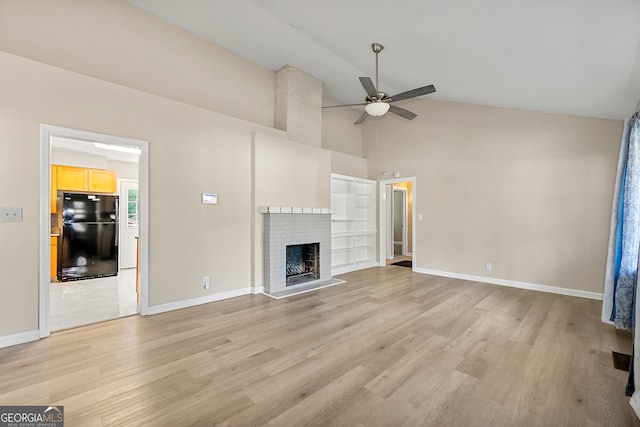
(82, 302)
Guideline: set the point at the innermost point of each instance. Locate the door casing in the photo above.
(48, 131)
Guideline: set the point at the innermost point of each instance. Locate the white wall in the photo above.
(60, 156)
(110, 68)
(345, 164)
(338, 131)
(286, 173)
(124, 170)
(191, 150)
(529, 192)
(117, 42)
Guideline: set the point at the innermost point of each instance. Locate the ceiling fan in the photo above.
(378, 103)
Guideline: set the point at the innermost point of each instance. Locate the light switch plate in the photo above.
(10, 214)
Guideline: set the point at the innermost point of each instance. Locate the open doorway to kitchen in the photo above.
(397, 219)
(93, 228)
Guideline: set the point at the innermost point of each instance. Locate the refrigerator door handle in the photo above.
(117, 203)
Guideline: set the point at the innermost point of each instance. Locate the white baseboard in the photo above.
(177, 305)
(514, 284)
(257, 290)
(21, 338)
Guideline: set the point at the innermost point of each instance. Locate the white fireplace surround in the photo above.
(284, 226)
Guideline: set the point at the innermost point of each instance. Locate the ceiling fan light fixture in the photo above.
(377, 108)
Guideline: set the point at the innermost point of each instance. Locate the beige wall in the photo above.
(191, 150)
(286, 173)
(64, 157)
(346, 164)
(110, 68)
(124, 170)
(117, 42)
(529, 192)
(338, 131)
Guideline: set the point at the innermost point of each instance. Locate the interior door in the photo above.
(128, 190)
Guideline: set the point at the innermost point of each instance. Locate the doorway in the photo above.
(397, 219)
(92, 299)
(398, 223)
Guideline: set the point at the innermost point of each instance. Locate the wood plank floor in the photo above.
(387, 348)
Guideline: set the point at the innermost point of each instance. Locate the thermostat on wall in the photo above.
(209, 199)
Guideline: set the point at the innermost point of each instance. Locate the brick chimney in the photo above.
(298, 105)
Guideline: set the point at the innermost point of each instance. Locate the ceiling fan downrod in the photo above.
(377, 48)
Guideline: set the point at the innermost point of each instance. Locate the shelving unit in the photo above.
(353, 223)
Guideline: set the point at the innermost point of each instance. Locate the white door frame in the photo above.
(46, 132)
(405, 207)
(384, 223)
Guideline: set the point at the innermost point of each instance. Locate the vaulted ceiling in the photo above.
(579, 57)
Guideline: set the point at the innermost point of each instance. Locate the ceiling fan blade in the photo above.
(344, 105)
(362, 118)
(424, 90)
(402, 112)
(369, 87)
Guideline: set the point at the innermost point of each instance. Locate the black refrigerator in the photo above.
(89, 236)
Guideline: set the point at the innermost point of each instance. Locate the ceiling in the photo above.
(88, 147)
(579, 57)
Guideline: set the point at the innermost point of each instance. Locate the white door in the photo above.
(128, 223)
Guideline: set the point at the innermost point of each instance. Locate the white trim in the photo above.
(390, 250)
(382, 220)
(45, 237)
(20, 338)
(405, 208)
(46, 132)
(257, 290)
(177, 305)
(513, 284)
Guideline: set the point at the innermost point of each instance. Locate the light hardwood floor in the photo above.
(387, 348)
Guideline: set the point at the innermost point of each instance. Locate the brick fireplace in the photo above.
(310, 227)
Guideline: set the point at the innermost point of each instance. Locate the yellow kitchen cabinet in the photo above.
(70, 178)
(54, 257)
(102, 181)
(54, 188)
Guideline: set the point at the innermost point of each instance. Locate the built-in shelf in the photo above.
(353, 223)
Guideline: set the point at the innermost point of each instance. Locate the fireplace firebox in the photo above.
(302, 263)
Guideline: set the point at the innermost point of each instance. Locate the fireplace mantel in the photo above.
(293, 210)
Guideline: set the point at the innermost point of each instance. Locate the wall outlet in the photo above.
(205, 282)
(419, 217)
(10, 214)
(489, 266)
